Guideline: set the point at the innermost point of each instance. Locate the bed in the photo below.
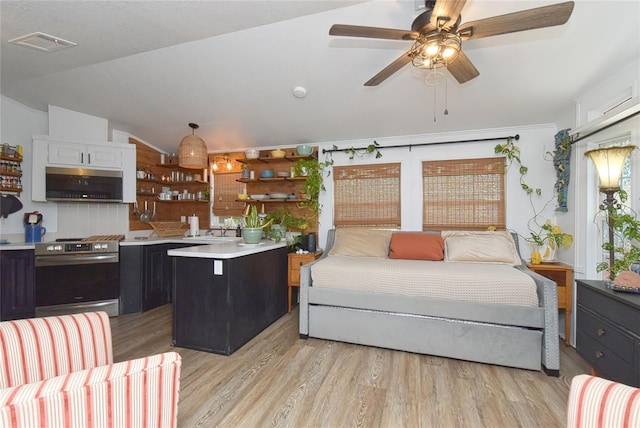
(362, 291)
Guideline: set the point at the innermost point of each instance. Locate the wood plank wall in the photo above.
(148, 158)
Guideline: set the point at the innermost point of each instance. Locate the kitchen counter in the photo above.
(225, 293)
(223, 248)
(17, 246)
(151, 240)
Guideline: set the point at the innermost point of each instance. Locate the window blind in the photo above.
(464, 194)
(225, 193)
(367, 195)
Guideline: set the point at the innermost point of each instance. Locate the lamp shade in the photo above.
(192, 152)
(609, 163)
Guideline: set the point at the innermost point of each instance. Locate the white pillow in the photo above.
(481, 247)
(358, 242)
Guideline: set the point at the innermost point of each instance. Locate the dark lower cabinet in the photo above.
(608, 331)
(145, 276)
(221, 304)
(156, 276)
(17, 284)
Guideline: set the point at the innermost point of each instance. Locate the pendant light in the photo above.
(193, 151)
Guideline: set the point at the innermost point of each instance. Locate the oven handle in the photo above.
(75, 259)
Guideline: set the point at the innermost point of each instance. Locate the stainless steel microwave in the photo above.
(82, 184)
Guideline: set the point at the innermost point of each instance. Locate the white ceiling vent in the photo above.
(42, 42)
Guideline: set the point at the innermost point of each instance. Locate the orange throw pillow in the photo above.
(416, 246)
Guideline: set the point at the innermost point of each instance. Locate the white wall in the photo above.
(534, 142)
(19, 124)
(62, 220)
(582, 201)
(589, 107)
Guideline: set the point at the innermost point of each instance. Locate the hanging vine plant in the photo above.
(314, 172)
(361, 151)
(512, 152)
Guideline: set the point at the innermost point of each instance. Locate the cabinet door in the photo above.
(155, 279)
(67, 154)
(97, 156)
(17, 285)
(130, 279)
(103, 157)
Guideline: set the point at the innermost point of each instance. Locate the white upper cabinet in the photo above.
(51, 151)
(89, 156)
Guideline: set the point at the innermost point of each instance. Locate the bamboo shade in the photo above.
(464, 194)
(367, 195)
(225, 193)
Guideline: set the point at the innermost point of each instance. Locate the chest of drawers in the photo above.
(608, 331)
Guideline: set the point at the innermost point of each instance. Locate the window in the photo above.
(367, 195)
(225, 193)
(463, 194)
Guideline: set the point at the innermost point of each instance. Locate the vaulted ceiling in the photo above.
(151, 67)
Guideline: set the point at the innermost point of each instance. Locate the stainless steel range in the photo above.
(77, 275)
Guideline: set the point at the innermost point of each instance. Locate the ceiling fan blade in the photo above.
(371, 32)
(463, 69)
(446, 9)
(540, 17)
(389, 70)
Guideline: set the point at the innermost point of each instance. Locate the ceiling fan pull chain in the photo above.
(446, 97)
(435, 93)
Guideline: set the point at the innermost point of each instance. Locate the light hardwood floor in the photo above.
(278, 379)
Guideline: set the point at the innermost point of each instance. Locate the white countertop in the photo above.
(17, 246)
(224, 249)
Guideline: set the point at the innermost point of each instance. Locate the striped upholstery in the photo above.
(135, 393)
(41, 348)
(597, 402)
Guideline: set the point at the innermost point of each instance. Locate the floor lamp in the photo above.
(609, 162)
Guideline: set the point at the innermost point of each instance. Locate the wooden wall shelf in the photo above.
(148, 190)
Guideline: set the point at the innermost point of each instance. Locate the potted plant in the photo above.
(547, 241)
(544, 239)
(313, 170)
(253, 226)
(279, 221)
(626, 227)
(282, 221)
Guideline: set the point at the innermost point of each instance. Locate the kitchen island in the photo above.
(227, 292)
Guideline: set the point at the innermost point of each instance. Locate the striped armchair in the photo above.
(59, 372)
(596, 402)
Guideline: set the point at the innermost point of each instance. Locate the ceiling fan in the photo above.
(438, 35)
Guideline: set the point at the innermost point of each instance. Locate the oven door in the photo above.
(75, 278)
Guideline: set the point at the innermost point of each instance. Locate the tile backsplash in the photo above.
(79, 220)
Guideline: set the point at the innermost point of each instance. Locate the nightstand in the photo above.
(295, 262)
(562, 275)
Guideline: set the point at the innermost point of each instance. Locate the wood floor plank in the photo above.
(280, 380)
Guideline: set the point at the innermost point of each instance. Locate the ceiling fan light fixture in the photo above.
(431, 50)
(436, 49)
(450, 51)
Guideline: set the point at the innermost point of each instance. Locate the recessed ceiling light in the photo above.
(42, 42)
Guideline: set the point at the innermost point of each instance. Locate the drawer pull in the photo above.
(601, 332)
(599, 354)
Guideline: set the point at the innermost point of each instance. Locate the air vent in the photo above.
(42, 42)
